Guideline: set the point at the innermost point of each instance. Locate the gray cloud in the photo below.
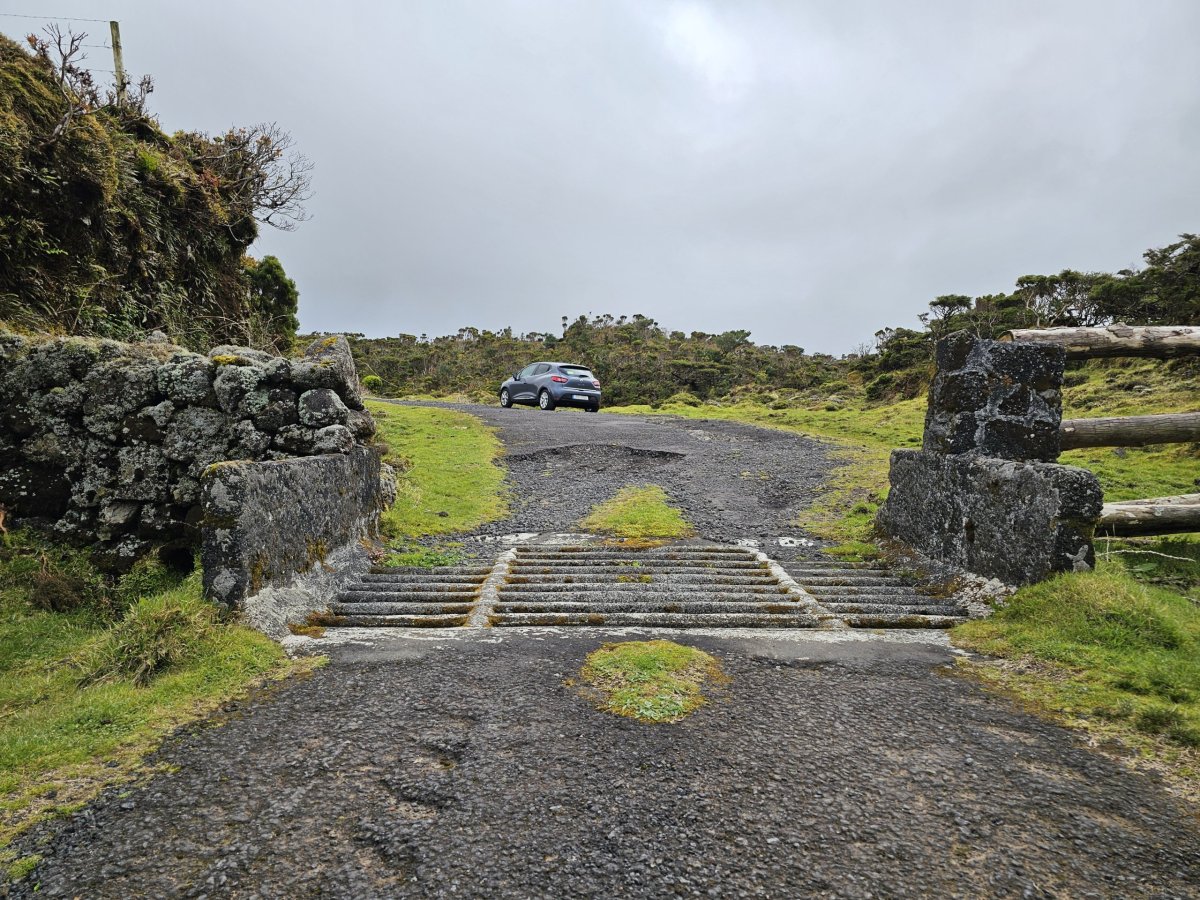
(810, 171)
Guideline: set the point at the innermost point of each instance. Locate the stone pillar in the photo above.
(1002, 399)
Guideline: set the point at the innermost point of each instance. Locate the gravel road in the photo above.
(464, 764)
(731, 480)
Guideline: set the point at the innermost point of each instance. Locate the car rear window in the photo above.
(576, 371)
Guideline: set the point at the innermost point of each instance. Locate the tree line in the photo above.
(639, 361)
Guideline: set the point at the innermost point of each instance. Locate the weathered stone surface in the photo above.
(91, 431)
(232, 383)
(321, 407)
(268, 523)
(187, 379)
(328, 363)
(333, 439)
(1016, 521)
(999, 398)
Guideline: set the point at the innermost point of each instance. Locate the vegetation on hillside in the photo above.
(110, 227)
(94, 672)
(640, 362)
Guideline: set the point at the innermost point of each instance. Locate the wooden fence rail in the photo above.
(1130, 431)
(1158, 515)
(1156, 341)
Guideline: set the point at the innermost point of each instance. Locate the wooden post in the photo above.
(1130, 431)
(1158, 515)
(114, 29)
(1157, 341)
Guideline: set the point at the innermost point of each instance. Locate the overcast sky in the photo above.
(809, 170)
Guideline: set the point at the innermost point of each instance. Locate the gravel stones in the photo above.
(85, 421)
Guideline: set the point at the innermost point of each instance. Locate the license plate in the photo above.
(578, 397)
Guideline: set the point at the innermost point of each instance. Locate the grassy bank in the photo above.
(94, 673)
(1107, 653)
(448, 479)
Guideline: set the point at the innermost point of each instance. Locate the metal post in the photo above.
(118, 62)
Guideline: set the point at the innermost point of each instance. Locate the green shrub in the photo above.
(157, 632)
(372, 383)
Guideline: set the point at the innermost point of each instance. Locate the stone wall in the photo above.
(107, 443)
(984, 492)
(281, 537)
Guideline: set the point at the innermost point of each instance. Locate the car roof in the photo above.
(572, 365)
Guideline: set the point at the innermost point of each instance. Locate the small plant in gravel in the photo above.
(651, 681)
(638, 512)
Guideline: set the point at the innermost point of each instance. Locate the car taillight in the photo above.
(558, 379)
(595, 382)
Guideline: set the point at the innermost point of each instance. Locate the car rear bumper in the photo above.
(576, 397)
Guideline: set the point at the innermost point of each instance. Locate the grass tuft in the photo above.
(650, 681)
(641, 512)
(158, 631)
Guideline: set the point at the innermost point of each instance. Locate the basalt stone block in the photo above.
(271, 408)
(321, 407)
(232, 383)
(187, 379)
(1016, 521)
(295, 439)
(361, 423)
(248, 441)
(197, 433)
(1002, 399)
(143, 473)
(118, 514)
(328, 363)
(33, 490)
(269, 523)
(239, 356)
(333, 439)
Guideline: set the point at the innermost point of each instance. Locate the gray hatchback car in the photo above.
(551, 384)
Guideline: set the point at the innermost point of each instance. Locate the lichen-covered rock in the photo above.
(228, 354)
(361, 423)
(197, 434)
(248, 441)
(187, 379)
(328, 363)
(116, 388)
(232, 383)
(295, 439)
(321, 407)
(1002, 399)
(143, 473)
(271, 408)
(333, 439)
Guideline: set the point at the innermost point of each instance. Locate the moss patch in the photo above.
(638, 513)
(650, 681)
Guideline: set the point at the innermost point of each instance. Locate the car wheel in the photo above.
(545, 401)
(505, 400)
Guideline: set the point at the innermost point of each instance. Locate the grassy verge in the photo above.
(1105, 652)
(641, 512)
(448, 479)
(651, 681)
(93, 674)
